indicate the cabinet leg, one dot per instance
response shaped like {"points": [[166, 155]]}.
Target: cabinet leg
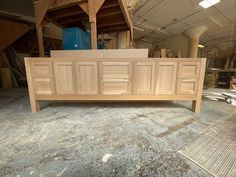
{"points": [[35, 107], [196, 105]]}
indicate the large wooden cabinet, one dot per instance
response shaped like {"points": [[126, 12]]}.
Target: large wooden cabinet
{"points": [[115, 79]]}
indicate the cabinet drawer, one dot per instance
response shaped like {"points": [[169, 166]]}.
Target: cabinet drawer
{"points": [[43, 86], [116, 88], [189, 69], [42, 69], [187, 86], [115, 78], [115, 70]]}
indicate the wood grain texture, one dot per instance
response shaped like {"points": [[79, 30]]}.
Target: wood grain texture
{"points": [[115, 79], [144, 77], [87, 77], [35, 106], [64, 77], [166, 77], [108, 53]]}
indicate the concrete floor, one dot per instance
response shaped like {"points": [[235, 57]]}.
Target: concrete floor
{"points": [[77, 140]]}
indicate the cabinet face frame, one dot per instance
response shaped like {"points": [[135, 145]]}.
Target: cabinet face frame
{"points": [[122, 74]]}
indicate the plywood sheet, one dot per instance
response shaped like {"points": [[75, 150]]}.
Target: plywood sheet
{"points": [[108, 53]]}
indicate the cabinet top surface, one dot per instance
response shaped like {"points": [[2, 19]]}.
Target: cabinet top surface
{"points": [[48, 59]]}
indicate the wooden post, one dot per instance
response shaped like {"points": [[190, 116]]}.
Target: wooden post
{"points": [[40, 10], [94, 34], [93, 7], [196, 104], [40, 40]]}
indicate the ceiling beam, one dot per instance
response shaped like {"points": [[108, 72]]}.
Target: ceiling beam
{"points": [[109, 11], [109, 4], [54, 22], [112, 28], [71, 19], [75, 10]]}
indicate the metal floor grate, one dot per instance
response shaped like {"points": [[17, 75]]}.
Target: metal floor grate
{"points": [[215, 149]]}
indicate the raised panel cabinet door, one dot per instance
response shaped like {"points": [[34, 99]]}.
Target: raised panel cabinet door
{"points": [[43, 86], [187, 86], [144, 77], [188, 69], [166, 75], [41, 69], [115, 78], [64, 77], [86, 74]]}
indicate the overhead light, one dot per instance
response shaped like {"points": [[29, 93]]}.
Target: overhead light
{"points": [[138, 28], [208, 3], [201, 46]]}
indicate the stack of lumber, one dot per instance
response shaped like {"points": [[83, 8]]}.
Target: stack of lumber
{"points": [[228, 96], [211, 79], [165, 53], [12, 69], [233, 82]]}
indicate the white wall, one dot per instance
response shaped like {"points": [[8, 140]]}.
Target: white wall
{"points": [[178, 43]]}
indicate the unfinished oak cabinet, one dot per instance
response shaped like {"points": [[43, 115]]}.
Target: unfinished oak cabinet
{"points": [[104, 79]]}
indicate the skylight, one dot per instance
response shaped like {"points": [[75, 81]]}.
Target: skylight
{"points": [[208, 3]]}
